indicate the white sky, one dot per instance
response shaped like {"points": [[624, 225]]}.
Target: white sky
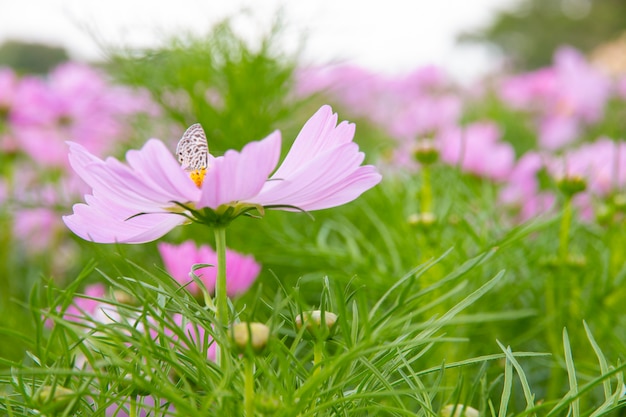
{"points": [[387, 35]]}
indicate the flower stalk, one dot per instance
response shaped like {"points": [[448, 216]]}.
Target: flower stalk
{"points": [[318, 355], [427, 193], [132, 411], [221, 299], [566, 221], [248, 397]]}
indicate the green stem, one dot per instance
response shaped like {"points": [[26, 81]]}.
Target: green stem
{"points": [[427, 193], [318, 354], [133, 406], [248, 397], [221, 299], [566, 222]]}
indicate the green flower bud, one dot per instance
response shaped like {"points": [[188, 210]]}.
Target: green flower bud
{"points": [[125, 298], [422, 219], [138, 387], [426, 153], [459, 410], [312, 320], [267, 404], [619, 200], [250, 335], [572, 185], [51, 400]]}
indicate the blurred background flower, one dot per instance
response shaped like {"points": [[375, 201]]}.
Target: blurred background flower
{"points": [[241, 270]]}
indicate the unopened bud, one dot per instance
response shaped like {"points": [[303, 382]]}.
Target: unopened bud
{"points": [[253, 335], [53, 399], [422, 219], [314, 324], [267, 404], [137, 386], [425, 152], [619, 200], [572, 185], [125, 298], [459, 410]]}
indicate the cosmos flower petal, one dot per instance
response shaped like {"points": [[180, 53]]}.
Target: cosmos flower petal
{"points": [[343, 192], [320, 134], [158, 167], [146, 184], [325, 161], [107, 222], [239, 176]]}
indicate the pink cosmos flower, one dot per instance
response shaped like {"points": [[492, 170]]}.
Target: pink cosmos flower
{"points": [[74, 101], [86, 306], [195, 334], [143, 200], [36, 227], [602, 163], [477, 150], [564, 97], [241, 270]]}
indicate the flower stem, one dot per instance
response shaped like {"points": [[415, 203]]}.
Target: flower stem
{"points": [[132, 412], [221, 299], [318, 354], [248, 397], [566, 222], [427, 193]]}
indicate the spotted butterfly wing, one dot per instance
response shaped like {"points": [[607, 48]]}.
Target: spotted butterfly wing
{"points": [[193, 149]]}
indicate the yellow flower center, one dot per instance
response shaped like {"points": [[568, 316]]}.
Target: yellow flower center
{"points": [[197, 176]]}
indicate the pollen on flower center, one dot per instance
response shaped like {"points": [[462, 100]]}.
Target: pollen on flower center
{"points": [[197, 176]]}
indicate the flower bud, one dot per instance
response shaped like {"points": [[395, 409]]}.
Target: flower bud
{"points": [[137, 386], [426, 153], [125, 298], [53, 399], [422, 219], [572, 185], [253, 335], [459, 410], [267, 404], [312, 320], [619, 201]]}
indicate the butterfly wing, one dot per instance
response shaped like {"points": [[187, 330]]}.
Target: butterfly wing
{"points": [[193, 150]]}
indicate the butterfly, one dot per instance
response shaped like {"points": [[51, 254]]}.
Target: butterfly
{"points": [[193, 149]]}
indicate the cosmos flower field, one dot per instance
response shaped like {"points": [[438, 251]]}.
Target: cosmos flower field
{"points": [[342, 243]]}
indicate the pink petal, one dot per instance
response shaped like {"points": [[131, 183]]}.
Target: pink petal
{"points": [[106, 222], [322, 162], [239, 176], [318, 135]]}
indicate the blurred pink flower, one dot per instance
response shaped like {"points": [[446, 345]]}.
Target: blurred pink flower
{"points": [[147, 407], [36, 228], [75, 102], [522, 189], [557, 131], [424, 116], [85, 306], [477, 150], [136, 203], [406, 106], [196, 335], [241, 270], [601, 163], [194, 338], [564, 98], [8, 89]]}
